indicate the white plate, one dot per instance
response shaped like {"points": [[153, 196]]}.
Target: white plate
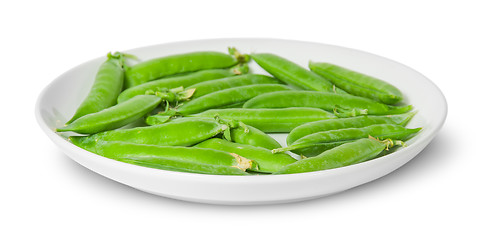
{"points": [[60, 98]]}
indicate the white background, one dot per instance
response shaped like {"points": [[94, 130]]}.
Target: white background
{"points": [[46, 195]]}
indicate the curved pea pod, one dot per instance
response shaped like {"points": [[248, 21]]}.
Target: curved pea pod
{"points": [[347, 154], [114, 117], [166, 156], [106, 87], [249, 135], [344, 105], [227, 97], [266, 161], [176, 64], [292, 73], [179, 132], [357, 83], [341, 123], [176, 81], [205, 88], [270, 120], [316, 143]]}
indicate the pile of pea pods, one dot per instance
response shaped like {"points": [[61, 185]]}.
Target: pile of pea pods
{"points": [[203, 112]]}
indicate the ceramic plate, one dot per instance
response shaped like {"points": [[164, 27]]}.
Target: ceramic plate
{"points": [[58, 101]]}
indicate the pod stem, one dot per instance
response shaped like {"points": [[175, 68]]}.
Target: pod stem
{"points": [[241, 58], [173, 95], [162, 117], [186, 94], [121, 57], [341, 112], [289, 148], [231, 125], [227, 125], [244, 126], [240, 69], [244, 163], [389, 143]]}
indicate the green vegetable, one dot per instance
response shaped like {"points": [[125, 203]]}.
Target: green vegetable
{"points": [[254, 137], [228, 97], [183, 166], [357, 83], [176, 64], [214, 122], [266, 161], [106, 87], [342, 104], [165, 155], [114, 117], [175, 82], [347, 154], [341, 123], [316, 143], [204, 88], [179, 132], [270, 120], [292, 73]]}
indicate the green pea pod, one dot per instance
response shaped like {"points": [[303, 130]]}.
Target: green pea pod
{"points": [[292, 73], [266, 161], [249, 135], [106, 87], [205, 88], [270, 120], [347, 154], [357, 83], [114, 117], [228, 97], [343, 105], [183, 166], [176, 64], [341, 123], [152, 153], [316, 143], [179, 132], [176, 81]]}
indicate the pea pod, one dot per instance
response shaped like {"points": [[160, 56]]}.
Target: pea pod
{"points": [[114, 117], [292, 73], [179, 132], [270, 120], [150, 154], [347, 154], [316, 143], [343, 105], [254, 137], [357, 83], [106, 87], [266, 161], [176, 64], [183, 166], [204, 88], [228, 97], [237, 132], [177, 81], [341, 123]]}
